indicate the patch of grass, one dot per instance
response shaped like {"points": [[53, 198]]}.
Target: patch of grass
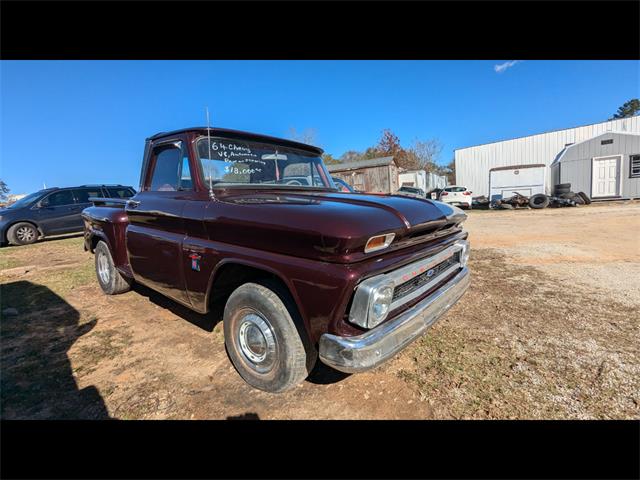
{"points": [[30, 297], [99, 346], [521, 345], [7, 261]]}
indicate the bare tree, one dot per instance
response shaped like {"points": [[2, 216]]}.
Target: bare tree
{"points": [[427, 153], [308, 136], [350, 156]]}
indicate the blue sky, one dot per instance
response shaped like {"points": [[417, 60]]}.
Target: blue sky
{"points": [[74, 122]]}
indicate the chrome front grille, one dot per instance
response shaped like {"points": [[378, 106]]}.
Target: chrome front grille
{"points": [[417, 278], [424, 278]]}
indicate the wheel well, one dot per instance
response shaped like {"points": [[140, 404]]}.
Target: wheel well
{"points": [[231, 276], [94, 242]]}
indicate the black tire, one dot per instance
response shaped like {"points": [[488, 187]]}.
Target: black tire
{"points": [[268, 310], [539, 200], [562, 188], [569, 195], [578, 199], [22, 233], [585, 197], [111, 280]]}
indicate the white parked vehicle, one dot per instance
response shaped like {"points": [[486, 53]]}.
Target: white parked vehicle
{"points": [[456, 195]]}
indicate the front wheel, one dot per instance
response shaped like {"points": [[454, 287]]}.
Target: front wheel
{"points": [[22, 233], [110, 279], [262, 340]]}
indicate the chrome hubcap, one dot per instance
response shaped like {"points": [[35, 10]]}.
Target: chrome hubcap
{"points": [[103, 268], [257, 341], [25, 234]]}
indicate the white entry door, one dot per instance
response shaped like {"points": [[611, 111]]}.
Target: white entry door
{"points": [[606, 177]]}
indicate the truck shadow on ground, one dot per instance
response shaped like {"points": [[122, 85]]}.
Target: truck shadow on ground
{"points": [[324, 375], [206, 322], [37, 380]]}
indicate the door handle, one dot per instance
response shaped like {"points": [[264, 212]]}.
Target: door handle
{"points": [[133, 203]]}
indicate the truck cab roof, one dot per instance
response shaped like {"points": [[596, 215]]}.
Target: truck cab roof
{"points": [[225, 132]]}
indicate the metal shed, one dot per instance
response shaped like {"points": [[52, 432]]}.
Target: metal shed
{"points": [[377, 175], [473, 163], [604, 167]]}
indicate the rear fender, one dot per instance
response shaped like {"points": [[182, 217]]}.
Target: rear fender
{"points": [[109, 225]]}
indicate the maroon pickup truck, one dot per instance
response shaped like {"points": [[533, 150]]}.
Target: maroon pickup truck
{"points": [[255, 225]]}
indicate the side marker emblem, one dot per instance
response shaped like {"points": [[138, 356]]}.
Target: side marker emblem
{"points": [[195, 261]]}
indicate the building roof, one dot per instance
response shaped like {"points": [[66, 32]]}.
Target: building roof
{"points": [[549, 131], [225, 132], [373, 162], [566, 148]]}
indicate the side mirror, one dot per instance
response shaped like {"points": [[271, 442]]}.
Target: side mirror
{"points": [[44, 203]]}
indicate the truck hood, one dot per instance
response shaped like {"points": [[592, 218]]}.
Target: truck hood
{"points": [[327, 226]]}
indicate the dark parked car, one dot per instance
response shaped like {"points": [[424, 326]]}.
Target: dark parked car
{"points": [[52, 211], [300, 271], [343, 186], [411, 192]]}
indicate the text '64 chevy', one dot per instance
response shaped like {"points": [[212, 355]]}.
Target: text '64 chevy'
{"points": [[255, 225]]}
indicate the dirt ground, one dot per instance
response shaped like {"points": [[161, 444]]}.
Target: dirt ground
{"points": [[549, 329]]}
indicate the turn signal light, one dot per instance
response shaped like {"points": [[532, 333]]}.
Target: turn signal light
{"points": [[379, 242]]}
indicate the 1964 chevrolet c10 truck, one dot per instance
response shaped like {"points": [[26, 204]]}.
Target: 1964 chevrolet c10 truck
{"points": [[255, 224]]}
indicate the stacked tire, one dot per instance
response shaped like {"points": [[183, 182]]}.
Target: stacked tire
{"points": [[563, 190]]}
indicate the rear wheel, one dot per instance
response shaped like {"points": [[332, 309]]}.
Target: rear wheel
{"points": [[110, 279], [262, 340], [22, 233]]}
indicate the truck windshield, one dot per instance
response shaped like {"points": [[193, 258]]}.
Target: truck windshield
{"points": [[240, 162]]}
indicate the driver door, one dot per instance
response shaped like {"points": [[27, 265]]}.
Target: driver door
{"points": [[156, 229]]}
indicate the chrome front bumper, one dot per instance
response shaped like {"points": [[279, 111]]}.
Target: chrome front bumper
{"points": [[366, 351]]}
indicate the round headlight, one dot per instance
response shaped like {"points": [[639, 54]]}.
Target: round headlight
{"points": [[382, 298]]}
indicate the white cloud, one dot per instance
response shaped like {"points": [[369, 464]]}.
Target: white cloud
{"points": [[503, 66]]}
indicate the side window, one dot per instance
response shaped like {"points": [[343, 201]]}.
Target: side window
{"points": [[82, 194], [166, 170], [634, 164], [185, 176], [56, 199], [119, 192]]}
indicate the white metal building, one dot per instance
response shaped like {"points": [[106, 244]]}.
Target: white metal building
{"points": [[474, 163]]}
